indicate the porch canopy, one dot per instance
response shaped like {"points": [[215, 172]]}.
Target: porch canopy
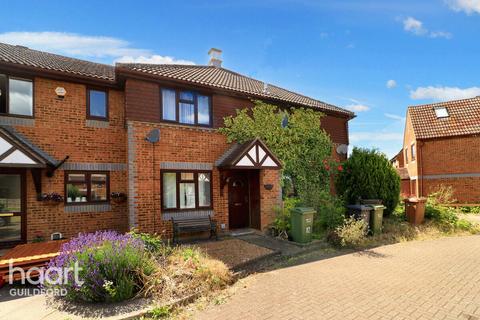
{"points": [[252, 154], [16, 151]]}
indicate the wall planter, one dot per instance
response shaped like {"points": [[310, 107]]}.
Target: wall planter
{"points": [[118, 197], [51, 198]]}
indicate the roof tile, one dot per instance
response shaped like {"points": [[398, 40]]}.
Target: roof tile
{"points": [[464, 119], [225, 79], [49, 61]]}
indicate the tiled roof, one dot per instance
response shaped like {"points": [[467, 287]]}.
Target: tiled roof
{"points": [[225, 79], [464, 119], [52, 62]]}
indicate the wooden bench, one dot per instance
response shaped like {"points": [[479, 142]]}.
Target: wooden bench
{"points": [[191, 225]]}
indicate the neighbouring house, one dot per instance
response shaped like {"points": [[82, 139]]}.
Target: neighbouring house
{"points": [[398, 163], [441, 147], [86, 146]]}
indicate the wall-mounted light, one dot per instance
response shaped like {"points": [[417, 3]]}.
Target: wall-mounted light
{"points": [[268, 186], [60, 92]]}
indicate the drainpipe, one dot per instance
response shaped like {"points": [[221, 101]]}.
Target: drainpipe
{"points": [[420, 168]]}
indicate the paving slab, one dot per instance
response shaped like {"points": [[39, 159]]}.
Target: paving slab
{"points": [[434, 279]]}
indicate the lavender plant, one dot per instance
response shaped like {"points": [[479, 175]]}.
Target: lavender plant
{"points": [[111, 266]]}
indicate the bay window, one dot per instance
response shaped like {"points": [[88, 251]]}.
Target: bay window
{"points": [[186, 190], [16, 96], [186, 107]]}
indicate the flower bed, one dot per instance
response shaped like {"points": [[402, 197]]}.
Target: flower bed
{"points": [[111, 267], [114, 267]]}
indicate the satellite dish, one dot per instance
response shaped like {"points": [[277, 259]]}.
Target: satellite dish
{"points": [[342, 149], [153, 136]]}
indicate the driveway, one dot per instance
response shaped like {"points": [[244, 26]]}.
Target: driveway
{"points": [[435, 279]]}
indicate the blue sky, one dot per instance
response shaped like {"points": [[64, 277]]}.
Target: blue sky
{"points": [[374, 57]]}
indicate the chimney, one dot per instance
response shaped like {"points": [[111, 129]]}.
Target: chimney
{"points": [[215, 57]]}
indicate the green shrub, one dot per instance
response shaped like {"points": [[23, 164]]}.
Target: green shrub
{"points": [[368, 174], [351, 234], [329, 210], [153, 243], [470, 210], [160, 312], [436, 210], [281, 225]]}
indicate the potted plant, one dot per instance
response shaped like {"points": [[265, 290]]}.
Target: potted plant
{"points": [[73, 192]]}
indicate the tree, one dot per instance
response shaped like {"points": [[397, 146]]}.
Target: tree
{"points": [[302, 146], [368, 174]]}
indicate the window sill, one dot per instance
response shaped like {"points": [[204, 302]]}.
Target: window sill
{"points": [[87, 207], [186, 126], [187, 214], [11, 120], [96, 123]]}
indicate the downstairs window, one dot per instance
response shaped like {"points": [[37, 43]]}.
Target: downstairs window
{"points": [[87, 187], [186, 190]]}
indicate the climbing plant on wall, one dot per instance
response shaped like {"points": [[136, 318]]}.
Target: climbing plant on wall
{"points": [[294, 135]]}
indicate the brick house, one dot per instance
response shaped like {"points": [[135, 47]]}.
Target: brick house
{"points": [[132, 145], [442, 147]]}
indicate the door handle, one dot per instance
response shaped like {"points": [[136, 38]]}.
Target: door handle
{"points": [[6, 214], [237, 204]]}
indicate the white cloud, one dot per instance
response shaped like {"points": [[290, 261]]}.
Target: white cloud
{"points": [[357, 107], [444, 93], [391, 84], [156, 59], [412, 25], [468, 6], [83, 46], [394, 117], [440, 34]]}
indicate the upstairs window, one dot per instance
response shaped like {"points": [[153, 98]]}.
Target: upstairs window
{"points": [[406, 155], [414, 152], [16, 96], [186, 190], [97, 104], [186, 107]]}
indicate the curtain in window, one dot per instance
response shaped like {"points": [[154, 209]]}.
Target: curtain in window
{"points": [[203, 109], [187, 113], [187, 195], [204, 189], [169, 101], [169, 190]]}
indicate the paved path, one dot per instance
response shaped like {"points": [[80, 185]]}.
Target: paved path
{"points": [[436, 279]]}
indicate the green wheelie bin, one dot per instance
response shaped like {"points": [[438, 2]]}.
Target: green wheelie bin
{"points": [[302, 224]]}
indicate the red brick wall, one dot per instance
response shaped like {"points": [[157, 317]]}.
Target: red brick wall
{"points": [[465, 190], [185, 144], [269, 199], [449, 156], [60, 131], [143, 104]]}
